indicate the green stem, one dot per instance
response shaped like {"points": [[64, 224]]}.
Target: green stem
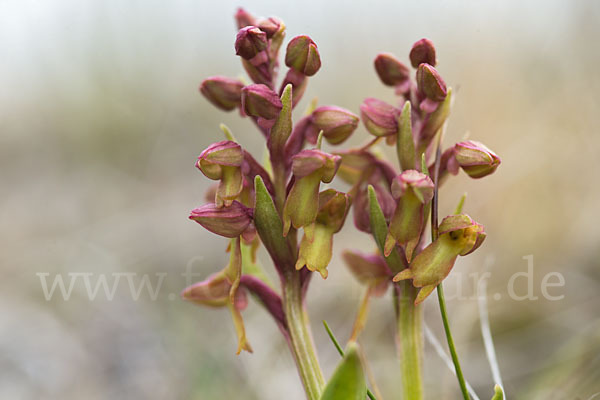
{"points": [[410, 341], [459, 374], [300, 337], [440, 288]]}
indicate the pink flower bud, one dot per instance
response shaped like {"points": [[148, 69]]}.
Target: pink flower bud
{"points": [[391, 71], [250, 41], [476, 159], [229, 221], [243, 18], [223, 92], [380, 118], [336, 123], [413, 180], [422, 51], [430, 83], [303, 56], [259, 100], [270, 26]]}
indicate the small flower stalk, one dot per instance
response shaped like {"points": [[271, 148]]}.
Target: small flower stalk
{"points": [[286, 206]]}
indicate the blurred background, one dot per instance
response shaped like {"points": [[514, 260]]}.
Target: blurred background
{"points": [[101, 123]]}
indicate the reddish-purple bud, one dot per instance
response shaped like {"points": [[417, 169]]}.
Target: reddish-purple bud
{"points": [[259, 100], [230, 221], [270, 26], [416, 181], [380, 118], [430, 83], [303, 56], [225, 93], [391, 71], [243, 18], [250, 41], [336, 123], [476, 159], [422, 51]]}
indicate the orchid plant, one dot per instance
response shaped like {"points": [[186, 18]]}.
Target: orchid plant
{"points": [[283, 204]]}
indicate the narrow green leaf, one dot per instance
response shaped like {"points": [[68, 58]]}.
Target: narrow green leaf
{"points": [[341, 352], [436, 120], [405, 145], [269, 226], [227, 132], [379, 231], [333, 339], [348, 380], [460, 204], [424, 168], [282, 129], [498, 394]]}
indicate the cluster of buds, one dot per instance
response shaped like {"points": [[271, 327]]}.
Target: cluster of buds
{"points": [[253, 205], [277, 200], [404, 199]]}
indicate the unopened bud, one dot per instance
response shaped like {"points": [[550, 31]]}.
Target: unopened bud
{"points": [[418, 182], [223, 92], [430, 83], [422, 51], [229, 221], [303, 56], [391, 71], [380, 118], [243, 18], [259, 100], [270, 26], [476, 159], [250, 41], [336, 123]]}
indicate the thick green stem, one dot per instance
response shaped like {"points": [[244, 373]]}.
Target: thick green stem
{"points": [[459, 374], [409, 341], [300, 337]]}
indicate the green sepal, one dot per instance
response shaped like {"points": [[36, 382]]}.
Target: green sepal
{"points": [[302, 204], [405, 145], [498, 394], [282, 129], [379, 230], [268, 225], [233, 271], [230, 186], [348, 379], [435, 121]]}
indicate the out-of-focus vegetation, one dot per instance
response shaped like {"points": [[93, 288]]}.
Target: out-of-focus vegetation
{"points": [[100, 125]]}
